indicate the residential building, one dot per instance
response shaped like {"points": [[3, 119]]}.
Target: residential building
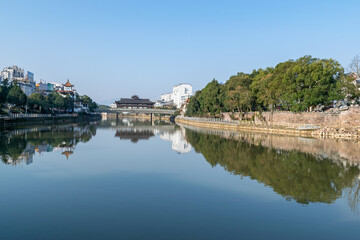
{"points": [[181, 93], [57, 86], [80, 107], [163, 104], [166, 97], [44, 88], [16, 74], [12, 72]]}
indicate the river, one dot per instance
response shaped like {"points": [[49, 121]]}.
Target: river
{"points": [[134, 179]]}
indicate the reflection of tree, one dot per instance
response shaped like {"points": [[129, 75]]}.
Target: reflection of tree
{"points": [[353, 195], [292, 174], [16, 146], [12, 148]]}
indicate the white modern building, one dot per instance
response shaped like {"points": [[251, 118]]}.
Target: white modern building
{"points": [[166, 97], [16, 74], [12, 72], [181, 93]]}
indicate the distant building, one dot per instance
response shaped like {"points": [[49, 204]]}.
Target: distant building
{"points": [[12, 72], [166, 97], [28, 89], [181, 93], [16, 75], [163, 104], [80, 106], [44, 88], [67, 89], [134, 102], [57, 86]]}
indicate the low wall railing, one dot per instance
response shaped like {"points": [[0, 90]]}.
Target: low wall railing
{"points": [[36, 115]]}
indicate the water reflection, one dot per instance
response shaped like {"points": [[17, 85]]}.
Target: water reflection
{"points": [[143, 129], [304, 170], [18, 146], [299, 169]]}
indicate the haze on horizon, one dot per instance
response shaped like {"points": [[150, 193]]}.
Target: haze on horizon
{"points": [[113, 49]]}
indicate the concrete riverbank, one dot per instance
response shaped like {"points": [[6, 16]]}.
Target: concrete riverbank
{"points": [[13, 120], [235, 125], [342, 125]]}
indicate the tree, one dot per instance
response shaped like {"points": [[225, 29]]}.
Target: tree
{"points": [[194, 107], [240, 99], [209, 98], [16, 96], [58, 101], [88, 101], [355, 66], [69, 103], [4, 90], [36, 100]]}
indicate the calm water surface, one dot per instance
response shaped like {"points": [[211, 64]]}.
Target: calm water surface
{"points": [[140, 180]]}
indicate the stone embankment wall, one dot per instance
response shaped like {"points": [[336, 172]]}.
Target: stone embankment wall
{"points": [[6, 122], [340, 119], [225, 125], [330, 124]]}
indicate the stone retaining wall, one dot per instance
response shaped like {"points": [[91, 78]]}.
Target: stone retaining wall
{"points": [[349, 119]]}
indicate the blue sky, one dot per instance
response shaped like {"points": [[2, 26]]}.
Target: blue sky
{"points": [[113, 49]]}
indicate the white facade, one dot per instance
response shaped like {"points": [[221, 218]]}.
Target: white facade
{"points": [[166, 97], [57, 86], [16, 74], [12, 72], [181, 93]]}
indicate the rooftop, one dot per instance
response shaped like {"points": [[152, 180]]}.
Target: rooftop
{"points": [[68, 84]]}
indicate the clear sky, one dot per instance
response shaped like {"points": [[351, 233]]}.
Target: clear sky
{"points": [[113, 49]]}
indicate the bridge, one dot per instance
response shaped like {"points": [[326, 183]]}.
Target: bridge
{"points": [[151, 111], [143, 110]]}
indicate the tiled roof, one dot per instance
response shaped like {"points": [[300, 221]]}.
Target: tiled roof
{"points": [[68, 84], [134, 101]]}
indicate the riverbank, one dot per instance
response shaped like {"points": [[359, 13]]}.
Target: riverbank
{"points": [[36, 119], [291, 127], [234, 125]]}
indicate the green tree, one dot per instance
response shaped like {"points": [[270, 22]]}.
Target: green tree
{"points": [[210, 99], [16, 96], [58, 101], [194, 108], [4, 90], [89, 102], [36, 101]]}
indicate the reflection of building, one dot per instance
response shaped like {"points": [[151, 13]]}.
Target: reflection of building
{"points": [[179, 143], [26, 142], [133, 134], [134, 102]]}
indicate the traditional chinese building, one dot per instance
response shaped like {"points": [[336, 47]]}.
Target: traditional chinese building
{"points": [[134, 102], [67, 88]]}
